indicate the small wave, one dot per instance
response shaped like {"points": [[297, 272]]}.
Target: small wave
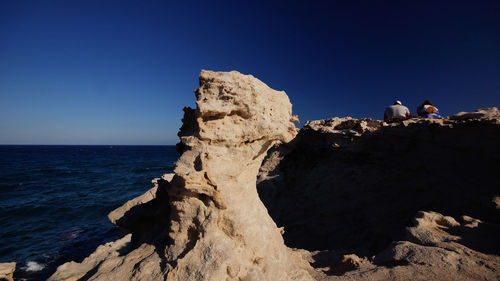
{"points": [[10, 185], [152, 169], [32, 266], [71, 235]]}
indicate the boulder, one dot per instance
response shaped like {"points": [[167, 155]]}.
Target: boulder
{"points": [[7, 271]]}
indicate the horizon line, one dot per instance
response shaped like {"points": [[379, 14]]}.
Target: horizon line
{"points": [[87, 144]]}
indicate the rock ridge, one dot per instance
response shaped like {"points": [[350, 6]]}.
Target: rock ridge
{"points": [[390, 201], [356, 199]]}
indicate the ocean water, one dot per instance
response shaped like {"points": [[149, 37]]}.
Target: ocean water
{"points": [[54, 200]]}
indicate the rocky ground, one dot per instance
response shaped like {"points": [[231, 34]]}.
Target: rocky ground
{"points": [[7, 271], [411, 200], [345, 199]]}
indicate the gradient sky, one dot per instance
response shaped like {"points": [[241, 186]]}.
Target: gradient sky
{"points": [[120, 72]]}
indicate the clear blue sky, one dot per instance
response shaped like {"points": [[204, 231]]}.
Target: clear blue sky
{"points": [[120, 72]]}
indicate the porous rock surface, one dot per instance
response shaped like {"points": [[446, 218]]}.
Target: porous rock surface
{"points": [[207, 222], [363, 199], [7, 271], [409, 200]]}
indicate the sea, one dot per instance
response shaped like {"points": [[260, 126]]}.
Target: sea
{"points": [[54, 200]]}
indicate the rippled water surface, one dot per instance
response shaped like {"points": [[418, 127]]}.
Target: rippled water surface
{"points": [[54, 199]]}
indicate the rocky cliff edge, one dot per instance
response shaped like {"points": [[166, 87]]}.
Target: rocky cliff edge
{"points": [[363, 199], [207, 222], [410, 200]]}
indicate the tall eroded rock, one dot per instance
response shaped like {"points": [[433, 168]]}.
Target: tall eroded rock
{"points": [[207, 222], [411, 200], [220, 230]]}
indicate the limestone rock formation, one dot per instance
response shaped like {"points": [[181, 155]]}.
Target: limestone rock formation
{"points": [[105, 258], [364, 183], [482, 113], [215, 226], [220, 230], [137, 255], [123, 216], [359, 199], [7, 271]]}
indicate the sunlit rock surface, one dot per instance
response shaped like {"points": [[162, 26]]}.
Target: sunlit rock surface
{"points": [[220, 230], [7, 271], [355, 199], [216, 227]]}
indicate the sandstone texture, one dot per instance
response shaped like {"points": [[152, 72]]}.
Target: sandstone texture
{"points": [[207, 222], [409, 200], [253, 198], [220, 230], [7, 271]]}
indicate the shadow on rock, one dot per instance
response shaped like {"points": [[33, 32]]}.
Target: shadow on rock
{"points": [[336, 188]]}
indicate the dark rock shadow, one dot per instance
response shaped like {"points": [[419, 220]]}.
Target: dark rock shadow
{"points": [[331, 263], [148, 223], [484, 238], [359, 197]]}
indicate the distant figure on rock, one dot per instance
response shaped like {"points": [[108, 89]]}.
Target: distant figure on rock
{"points": [[397, 111], [428, 110]]}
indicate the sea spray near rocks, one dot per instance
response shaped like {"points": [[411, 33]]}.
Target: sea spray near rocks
{"points": [[55, 217], [34, 266]]}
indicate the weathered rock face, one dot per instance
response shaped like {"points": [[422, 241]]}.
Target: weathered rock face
{"points": [[7, 271], [215, 228], [136, 256], [362, 182], [220, 230], [411, 200]]}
